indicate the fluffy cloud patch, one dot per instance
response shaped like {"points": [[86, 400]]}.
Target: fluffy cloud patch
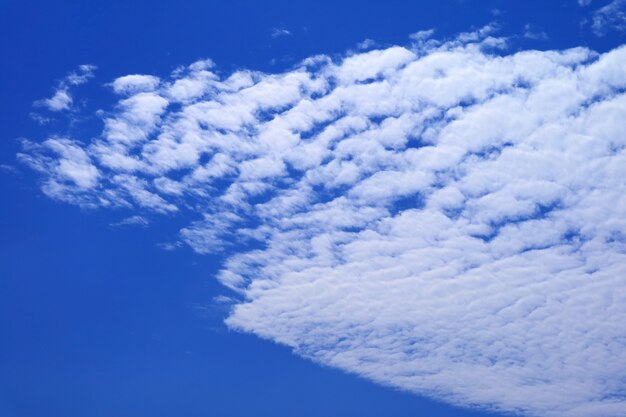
{"points": [[135, 83], [444, 217], [62, 98]]}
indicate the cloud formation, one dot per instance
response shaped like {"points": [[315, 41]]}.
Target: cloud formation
{"points": [[531, 33], [278, 32], [62, 99], [609, 17], [132, 221], [444, 217]]}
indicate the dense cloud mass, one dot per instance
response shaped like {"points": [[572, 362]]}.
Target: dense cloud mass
{"points": [[444, 217]]}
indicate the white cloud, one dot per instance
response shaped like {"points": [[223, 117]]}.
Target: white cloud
{"points": [[422, 35], [531, 33], [68, 168], [369, 65], [134, 83], [84, 73], [609, 17], [62, 99], [366, 44], [170, 246], [132, 221], [9, 169], [39, 118], [437, 218], [278, 32]]}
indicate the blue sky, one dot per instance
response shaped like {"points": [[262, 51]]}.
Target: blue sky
{"points": [[423, 218]]}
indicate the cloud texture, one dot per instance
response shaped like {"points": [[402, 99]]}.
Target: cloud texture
{"points": [[62, 98], [444, 217], [611, 17]]}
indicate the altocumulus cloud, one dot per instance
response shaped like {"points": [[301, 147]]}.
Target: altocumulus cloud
{"points": [[444, 217]]}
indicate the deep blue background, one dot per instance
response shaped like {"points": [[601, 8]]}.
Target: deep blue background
{"points": [[99, 321]]}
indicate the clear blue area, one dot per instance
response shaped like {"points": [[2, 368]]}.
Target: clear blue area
{"points": [[98, 321]]}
